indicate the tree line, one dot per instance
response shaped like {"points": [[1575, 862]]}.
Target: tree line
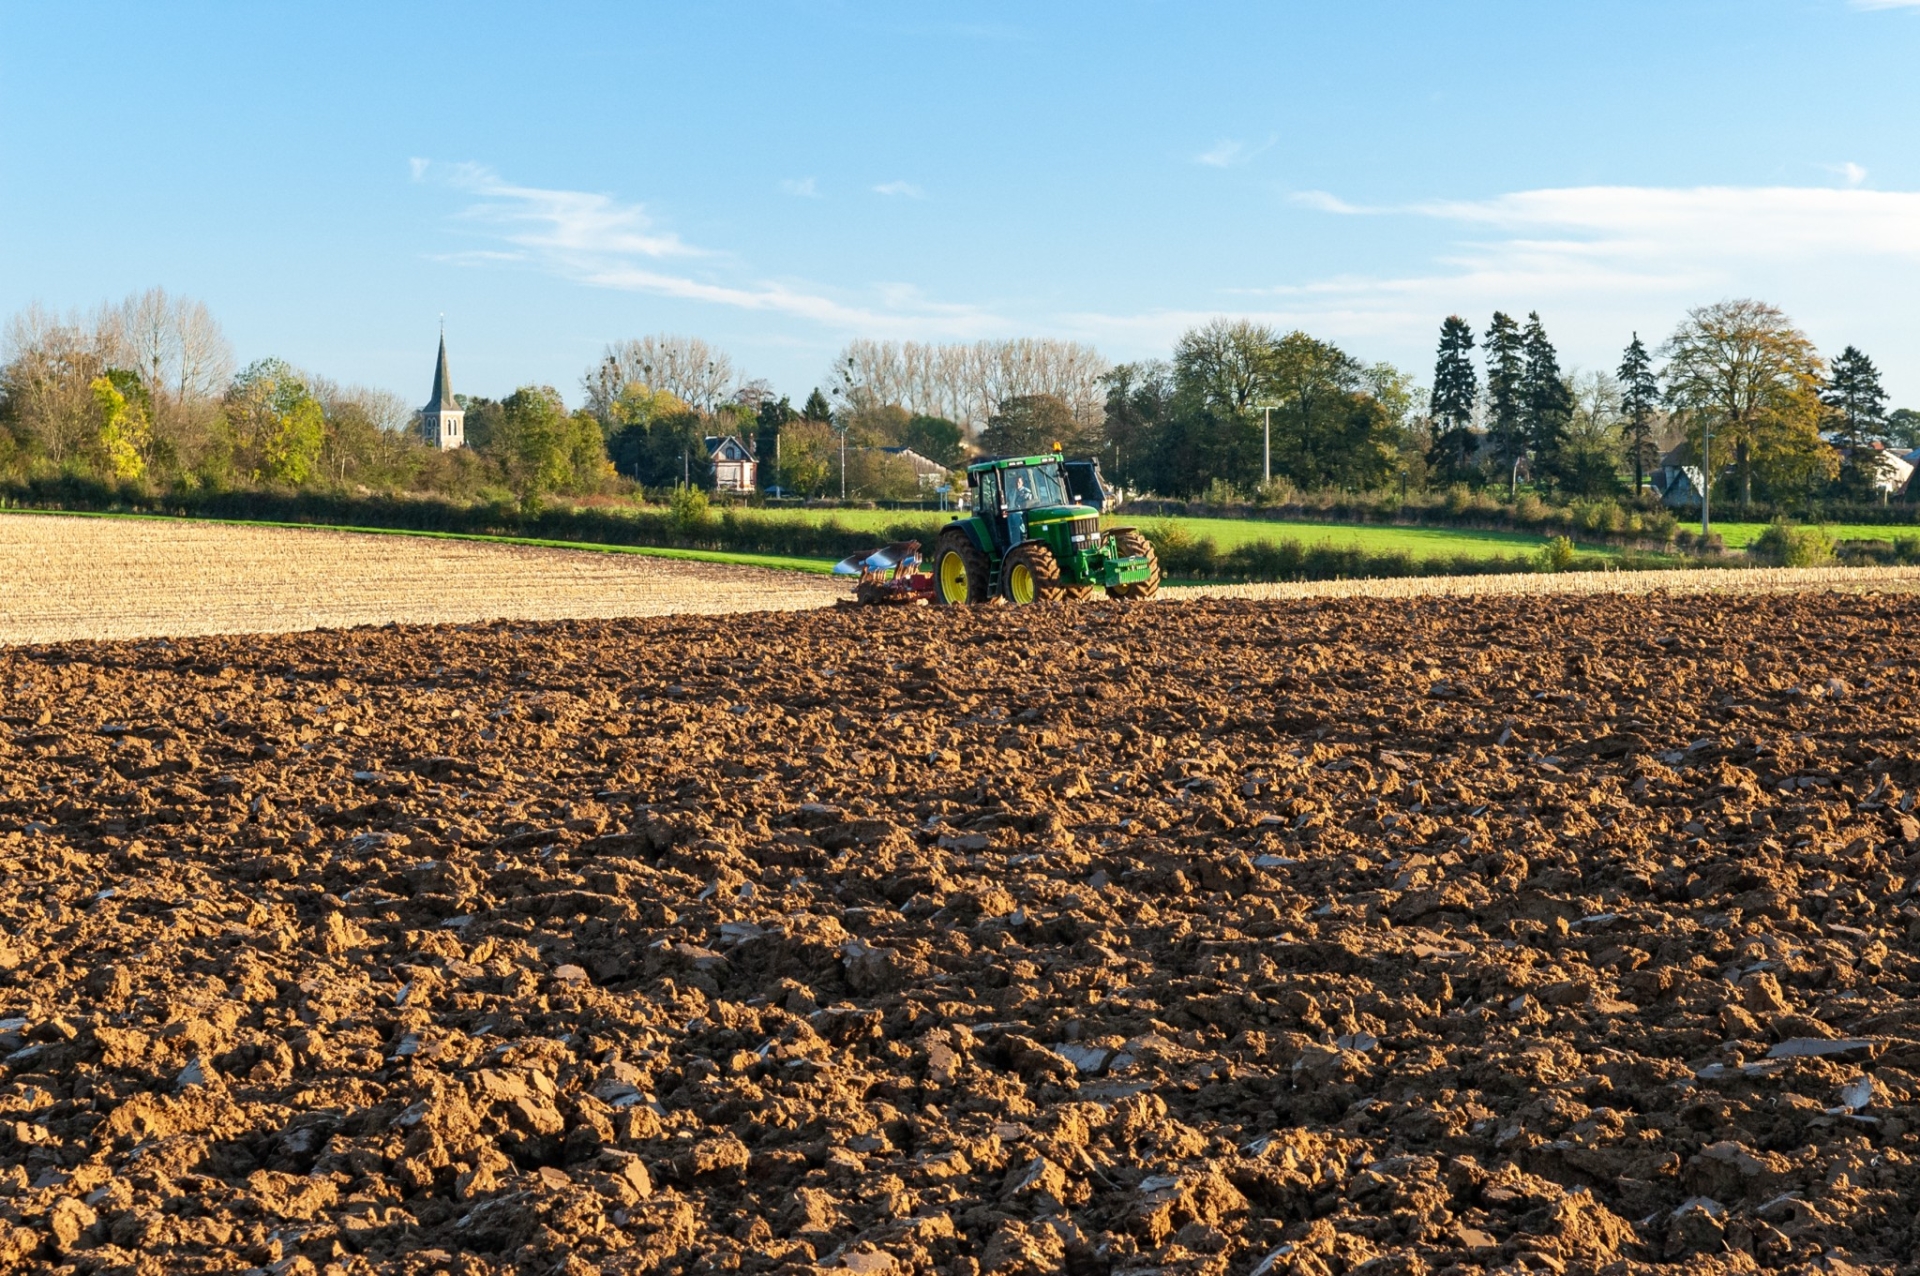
{"points": [[1789, 425], [145, 391]]}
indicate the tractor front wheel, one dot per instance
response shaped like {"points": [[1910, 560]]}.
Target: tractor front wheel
{"points": [[1131, 542], [959, 570], [1030, 574]]}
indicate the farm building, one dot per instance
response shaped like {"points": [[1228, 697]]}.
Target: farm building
{"points": [[734, 467], [931, 474]]}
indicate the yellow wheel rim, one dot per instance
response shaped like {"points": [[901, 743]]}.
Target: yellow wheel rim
{"points": [[1020, 585], [953, 578]]}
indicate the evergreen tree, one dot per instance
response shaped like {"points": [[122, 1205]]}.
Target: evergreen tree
{"points": [[1546, 402], [1455, 387], [1506, 406], [816, 408], [1639, 400], [773, 416], [1858, 412]]}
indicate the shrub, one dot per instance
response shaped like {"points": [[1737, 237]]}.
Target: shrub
{"points": [[1222, 493], [1557, 556], [1785, 545], [691, 510]]}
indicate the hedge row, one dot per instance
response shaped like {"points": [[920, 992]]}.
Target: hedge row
{"points": [[726, 530]]}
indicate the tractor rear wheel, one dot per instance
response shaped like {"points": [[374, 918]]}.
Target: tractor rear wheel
{"points": [[959, 570], [1030, 574], [1130, 542]]}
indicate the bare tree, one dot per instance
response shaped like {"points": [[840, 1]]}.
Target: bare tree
{"points": [[174, 343], [685, 367], [969, 383], [50, 365]]}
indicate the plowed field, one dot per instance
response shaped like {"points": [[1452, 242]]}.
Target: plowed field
{"points": [[1386, 936]]}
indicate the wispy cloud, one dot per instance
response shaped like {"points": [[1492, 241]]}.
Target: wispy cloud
{"points": [[558, 222], [1851, 173], [804, 187], [1886, 4], [900, 190], [1598, 262], [1231, 152], [599, 241]]}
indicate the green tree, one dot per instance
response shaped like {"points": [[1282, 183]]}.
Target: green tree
{"points": [[277, 422], [656, 438], [1225, 362], [817, 408], [1327, 431], [806, 456], [1456, 387], [1857, 408], [1547, 401], [1639, 404], [1903, 427], [936, 438], [771, 417], [540, 447], [1741, 370], [1506, 393], [1029, 424], [1139, 405]]}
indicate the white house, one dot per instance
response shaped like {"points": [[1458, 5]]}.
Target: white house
{"points": [[734, 466]]}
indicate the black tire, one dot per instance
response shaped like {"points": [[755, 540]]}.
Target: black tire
{"points": [[1130, 542], [1076, 593], [1033, 568], [973, 568]]}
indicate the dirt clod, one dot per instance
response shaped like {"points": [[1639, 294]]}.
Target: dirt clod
{"points": [[1410, 936]]}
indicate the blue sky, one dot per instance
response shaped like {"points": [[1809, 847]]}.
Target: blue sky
{"points": [[779, 178]]}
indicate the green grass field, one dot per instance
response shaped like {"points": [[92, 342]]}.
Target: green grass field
{"points": [[1226, 533], [1741, 535]]}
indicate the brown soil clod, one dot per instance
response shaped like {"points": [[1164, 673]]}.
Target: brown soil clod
{"points": [[1385, 936]]}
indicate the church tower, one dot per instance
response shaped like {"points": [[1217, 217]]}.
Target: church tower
{"points": [[442, 422]]}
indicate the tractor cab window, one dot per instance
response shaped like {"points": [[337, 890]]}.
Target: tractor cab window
{"points": [[990, 493], [1034, 487]]}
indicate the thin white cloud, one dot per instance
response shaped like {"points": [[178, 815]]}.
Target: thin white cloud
{"points": [[1229, 152], [804, 187], [1850, 173], [902, 190], [1598, 263], [1221, 154], [600, 242], [1886, 4]]}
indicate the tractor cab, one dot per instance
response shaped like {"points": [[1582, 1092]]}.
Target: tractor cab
{"points": [[1035, 534], [1016, 495]]}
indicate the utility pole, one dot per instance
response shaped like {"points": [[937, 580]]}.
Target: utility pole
{"points": [[1266, 444], [843, 464], [1706, 479]]}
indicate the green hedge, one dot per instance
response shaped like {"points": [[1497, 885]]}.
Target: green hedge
{"points": [[725, 530]]}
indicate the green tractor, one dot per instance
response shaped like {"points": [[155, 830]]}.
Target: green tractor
{"points": [[1034, 536]]}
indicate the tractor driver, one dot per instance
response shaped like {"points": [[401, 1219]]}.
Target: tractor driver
{"points": [[1022, 493]]}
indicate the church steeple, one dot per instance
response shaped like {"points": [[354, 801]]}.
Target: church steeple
{"points": [[442, 397], [442, 422]]}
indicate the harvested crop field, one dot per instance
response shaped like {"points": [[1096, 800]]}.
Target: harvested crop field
{"points": [[66, 577], [1387, 936]]}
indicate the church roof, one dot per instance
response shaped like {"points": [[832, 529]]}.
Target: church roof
{"points": [[442, 399]]}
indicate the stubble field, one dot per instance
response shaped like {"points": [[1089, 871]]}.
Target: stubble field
{"points": [[1396, 936], [70, 577]]}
